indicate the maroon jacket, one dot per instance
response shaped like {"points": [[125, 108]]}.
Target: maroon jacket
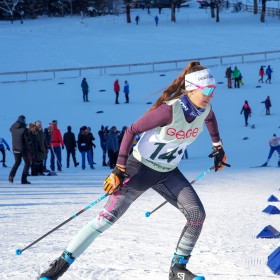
{"points": [[161, 116]]}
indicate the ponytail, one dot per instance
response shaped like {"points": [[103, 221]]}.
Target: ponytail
{"points": [[177, 87]]}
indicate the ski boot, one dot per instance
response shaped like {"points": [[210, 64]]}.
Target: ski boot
{"points": [[58, 267], [178, 270], [264, 165]]}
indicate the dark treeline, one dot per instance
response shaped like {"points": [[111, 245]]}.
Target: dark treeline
{"points": [[31, 9]]}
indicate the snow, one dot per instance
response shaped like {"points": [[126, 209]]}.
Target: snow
{"points": [[138, 247]]}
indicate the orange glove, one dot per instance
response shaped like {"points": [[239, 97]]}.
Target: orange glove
{"points": [[219, 158], [115, 179]]}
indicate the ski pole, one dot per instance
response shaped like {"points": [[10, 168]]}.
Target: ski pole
{"points": [[19, 251], [148, 214], [55, 156]]}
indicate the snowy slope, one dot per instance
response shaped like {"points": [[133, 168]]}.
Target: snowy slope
{"points": [[138, 247]]}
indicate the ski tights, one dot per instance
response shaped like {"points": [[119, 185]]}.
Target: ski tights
{"points": [[172, 185]]}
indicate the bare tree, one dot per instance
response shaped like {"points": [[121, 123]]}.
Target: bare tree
{"points": [[9, 6], [128, 17], [127, 10], [212, 7], [255, 7], [218, 5], [263, 10], [173, 11]]}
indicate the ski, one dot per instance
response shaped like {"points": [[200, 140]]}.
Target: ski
{"points": [[260, 166]]}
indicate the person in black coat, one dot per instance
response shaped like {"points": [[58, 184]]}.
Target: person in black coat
{"points": [[69, 140], [21, 147], [246, 109], [267, 104], [48, 138], [92, 145], [41, 149], [84, 146], [85, 89], [103, 132]]}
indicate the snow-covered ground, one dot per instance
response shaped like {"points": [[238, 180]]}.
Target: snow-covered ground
{"points": [[138, 247]]}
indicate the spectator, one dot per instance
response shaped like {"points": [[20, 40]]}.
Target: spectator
{"points": [[261, 74], [48, 138], [103, 138], [137, 19], [117, 90], [268, 72], [274, 144], [84, 147], [229, 76], [21, 147], [112, 145], [2, 150], [156, 20], [34, 143], [126, 91], [56, 145], [267, 104], [122, 134], [41, 149], [240, 80], [235, 76], [85, 89], [246, 109], [69, 140], [92, 145]]}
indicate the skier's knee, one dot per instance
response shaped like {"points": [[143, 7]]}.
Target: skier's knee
{"points": [[196, 216]]}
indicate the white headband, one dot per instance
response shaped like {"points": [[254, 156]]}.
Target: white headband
{"points": [[201, 78]]}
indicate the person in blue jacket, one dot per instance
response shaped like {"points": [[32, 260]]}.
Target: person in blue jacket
{"points": [[268, 72], [2, 150], [126, 91]]}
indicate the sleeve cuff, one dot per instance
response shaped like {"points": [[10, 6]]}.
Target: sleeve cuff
{"points": [[217, 143]]}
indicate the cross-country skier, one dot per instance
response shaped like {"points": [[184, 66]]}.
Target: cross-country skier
{"points": [[172, 123], [3, 143], [274, 144]]}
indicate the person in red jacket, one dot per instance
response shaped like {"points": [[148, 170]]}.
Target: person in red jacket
{"points": [[246, 109], [56, 145], [117, 90], [261, 74]]}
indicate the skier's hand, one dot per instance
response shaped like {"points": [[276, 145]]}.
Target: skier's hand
{"points": [[115, 179], [219, 158], [8, 149]]}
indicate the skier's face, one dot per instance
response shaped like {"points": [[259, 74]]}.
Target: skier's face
{"points": [[199, 99]]}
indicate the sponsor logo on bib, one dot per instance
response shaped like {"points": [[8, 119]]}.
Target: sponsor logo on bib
{"points": [[182, 134]]}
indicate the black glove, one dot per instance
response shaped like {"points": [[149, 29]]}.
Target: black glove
{"points": [[219, 158], [62, 147], [115, 179]]}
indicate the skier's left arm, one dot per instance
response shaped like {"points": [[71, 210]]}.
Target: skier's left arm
{"points": [[218, 152]]}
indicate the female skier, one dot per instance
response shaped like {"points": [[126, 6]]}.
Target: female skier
{"points": [[246, 109], [172, 123]]}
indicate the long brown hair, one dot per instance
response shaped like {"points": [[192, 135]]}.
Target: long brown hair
{"points": [[177, 87]]}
